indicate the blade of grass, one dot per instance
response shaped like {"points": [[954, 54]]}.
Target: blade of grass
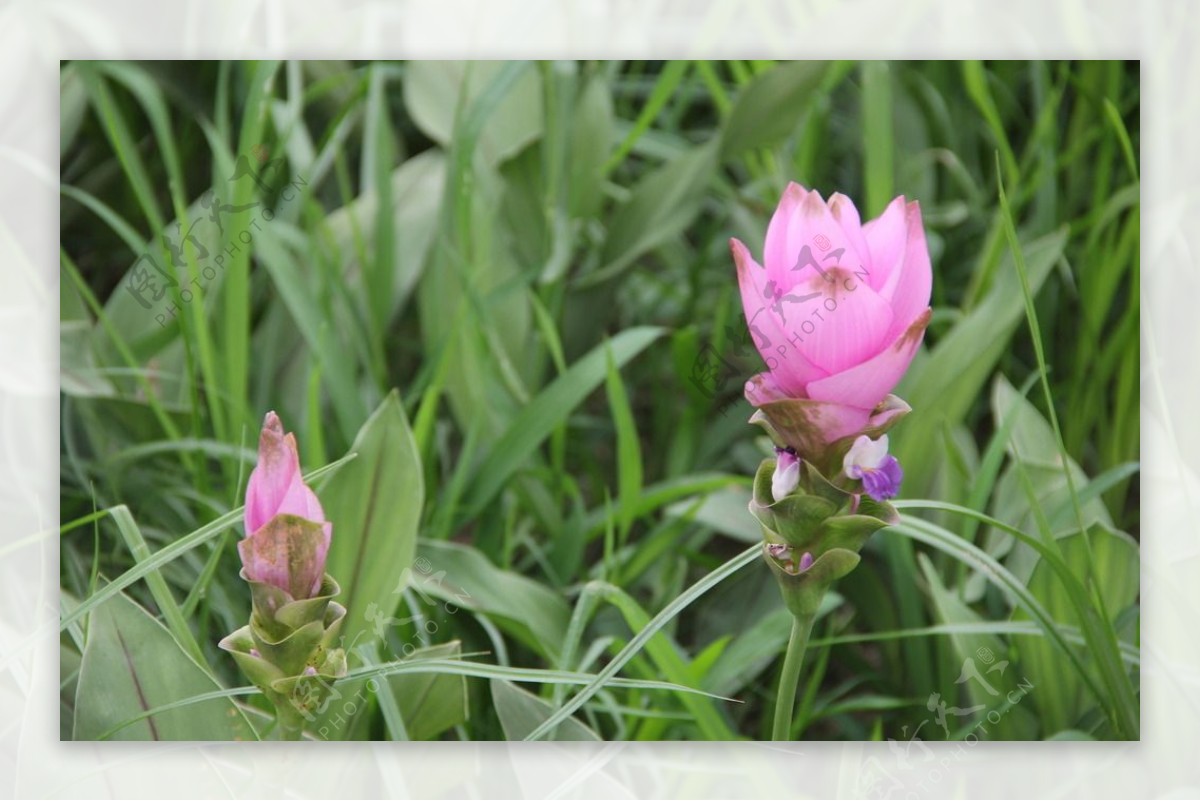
{"points": [[158, 586], [635, 645], [537, 420], [1124, 704], [664, 89]]}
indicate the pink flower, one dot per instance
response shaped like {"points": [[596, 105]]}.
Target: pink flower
{"points": [[287, 536], [837, 312]]}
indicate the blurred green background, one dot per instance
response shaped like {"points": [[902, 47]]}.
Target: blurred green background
{"points": [[492, 281]]}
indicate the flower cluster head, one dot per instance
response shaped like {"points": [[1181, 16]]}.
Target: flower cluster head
{"points": [[837, 310], [288, 648]]}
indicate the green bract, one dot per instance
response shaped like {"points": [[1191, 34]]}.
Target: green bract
{"points": [[817, 518], [288, 650]]}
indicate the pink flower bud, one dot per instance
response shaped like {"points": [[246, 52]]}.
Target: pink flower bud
{"points": [[287, 536]]}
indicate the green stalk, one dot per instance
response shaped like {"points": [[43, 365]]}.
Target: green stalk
{"points": [[290, 720], [785, 700]]}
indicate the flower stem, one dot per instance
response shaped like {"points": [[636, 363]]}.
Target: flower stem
{"points": [[289, 720], [785, 700]]}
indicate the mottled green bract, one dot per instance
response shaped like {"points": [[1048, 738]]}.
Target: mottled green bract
{"points": [[496, 305]]}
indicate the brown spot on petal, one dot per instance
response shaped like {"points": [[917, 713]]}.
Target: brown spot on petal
{"points": [[914, 332]]}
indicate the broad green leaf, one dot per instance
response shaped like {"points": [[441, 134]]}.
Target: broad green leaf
{"points": [[942, 387], [374, 504], [416, 192], [431, 703], [463, 577], [473, 303], [132, 664], [727, 510], [770, 107], [980, 665], [521, 712], [435, 90], [1117, 562], [660, 206], [1031, 443], [591, 138]]}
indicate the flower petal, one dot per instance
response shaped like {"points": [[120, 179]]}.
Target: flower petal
{"points": [[884, 482], [787, 474], [846, 213], [908, 287], [845, 325], [865, 454], [866, 384], [775, 251], [813, 226], [886, 237], [289, 553], [766, 322], [277, 470]]}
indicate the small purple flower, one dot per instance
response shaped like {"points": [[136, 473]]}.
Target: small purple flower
{"points": [[787, 473], [806, 561], [879, 471]]}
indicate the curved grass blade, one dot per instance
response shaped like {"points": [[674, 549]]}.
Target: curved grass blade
{"points": [[606, 676]]}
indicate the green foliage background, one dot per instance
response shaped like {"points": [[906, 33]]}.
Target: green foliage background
{"points": [[490, 283]]}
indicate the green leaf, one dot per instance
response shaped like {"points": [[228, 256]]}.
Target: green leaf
{"points": [[667, 660], [629, 448], [464, 577], [770, 107], [591, 138], [726, 510], [132, 664], [878, 139], [980, 649], [157, 584], [660, 206], [1116, 560], [1032, 444], [753, 649], [547, 411], [942, 387], [521, 712], [431, 703], [642, 638], [377, 160], [174, 551], [664, 89], [374, 504], [434, 91]]}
